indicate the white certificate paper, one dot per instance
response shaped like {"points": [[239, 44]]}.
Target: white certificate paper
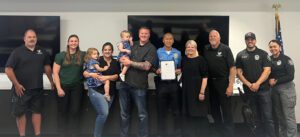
{"points": [[167, 69]]}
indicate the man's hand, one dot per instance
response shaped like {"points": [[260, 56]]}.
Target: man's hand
{"points": [[19, 90], [125, 61], [254, 87], [158, 71], [178, 71]]}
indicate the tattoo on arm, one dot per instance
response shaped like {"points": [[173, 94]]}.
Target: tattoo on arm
{"points": [[141, 65]]}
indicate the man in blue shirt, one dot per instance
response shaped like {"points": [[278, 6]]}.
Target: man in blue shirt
{"points": [[168, 91]]}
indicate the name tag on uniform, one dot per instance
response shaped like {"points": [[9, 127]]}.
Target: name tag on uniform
{"points": [[167, 69]]}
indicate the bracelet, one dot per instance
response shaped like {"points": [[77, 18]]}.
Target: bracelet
{"points": [[201, 93]]}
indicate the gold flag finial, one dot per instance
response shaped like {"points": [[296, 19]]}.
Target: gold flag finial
{"points": [[276, 6]]}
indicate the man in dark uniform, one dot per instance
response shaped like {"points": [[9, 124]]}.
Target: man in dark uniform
{"points": [[134, 88], [25, 68], [221, 76], [253, 69]]}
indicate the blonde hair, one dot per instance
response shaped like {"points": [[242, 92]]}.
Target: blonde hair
{"points": [[89, 52], [194, 44], [124, 32]]}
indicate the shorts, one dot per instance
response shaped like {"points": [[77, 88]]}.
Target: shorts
{"points": [[31, 101]]}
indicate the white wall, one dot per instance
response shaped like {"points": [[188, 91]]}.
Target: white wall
{"points": [[95, 28]]}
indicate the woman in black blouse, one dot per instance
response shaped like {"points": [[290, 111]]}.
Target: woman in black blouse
{"points": [[283, 90], [96, 96], [194, 81]]}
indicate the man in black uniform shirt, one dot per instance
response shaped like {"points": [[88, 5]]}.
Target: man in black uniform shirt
{"points": [[24, 68], [253, 69], [221, 71]]}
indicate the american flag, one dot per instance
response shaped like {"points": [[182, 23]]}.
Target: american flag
{"points": [[278, 31]]}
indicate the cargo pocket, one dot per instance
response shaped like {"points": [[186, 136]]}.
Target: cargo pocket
{"points": [[292, 99]]}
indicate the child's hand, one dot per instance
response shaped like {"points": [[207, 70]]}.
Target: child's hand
{"points": [[131, 41]]}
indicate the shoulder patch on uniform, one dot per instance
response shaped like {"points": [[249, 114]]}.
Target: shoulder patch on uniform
{"points": [[269, 58], [175, 55], [290, 62]]}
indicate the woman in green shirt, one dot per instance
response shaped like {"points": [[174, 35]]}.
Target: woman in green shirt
{"points": [[67, 72]]}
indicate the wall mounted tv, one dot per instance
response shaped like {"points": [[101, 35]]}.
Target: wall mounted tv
{"points": [[182, 27], [12, 30]]}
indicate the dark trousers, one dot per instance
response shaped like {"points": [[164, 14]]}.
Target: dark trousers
{"points": [[196, 126], [221, 106], [261, 105], [128, 94], [168, 96], [68, 109]]}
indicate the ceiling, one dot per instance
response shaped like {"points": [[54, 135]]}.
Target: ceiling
{"points": [[146, 5]]}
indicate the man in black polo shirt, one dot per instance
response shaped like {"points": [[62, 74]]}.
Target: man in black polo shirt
{"points": [[253, 69], [143, 56], [25, 68], [222, 72]]}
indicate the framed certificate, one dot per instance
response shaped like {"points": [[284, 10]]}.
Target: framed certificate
{"points": [[167, 69]]}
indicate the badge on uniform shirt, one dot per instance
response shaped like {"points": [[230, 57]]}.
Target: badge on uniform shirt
{"points": [[256, 57], [278, 62], [290, 62], [39, 51], [219, 54], [175, 55]]}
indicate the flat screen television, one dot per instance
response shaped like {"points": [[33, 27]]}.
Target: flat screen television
{"points": [[183, 28], [12, 30]]}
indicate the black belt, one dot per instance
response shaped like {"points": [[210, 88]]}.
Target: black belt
{"points": [[217, 78], [168, 81]]}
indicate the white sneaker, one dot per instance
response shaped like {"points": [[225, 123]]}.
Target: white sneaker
{"points": [[122, 77]]}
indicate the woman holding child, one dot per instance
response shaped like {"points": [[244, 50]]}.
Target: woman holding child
{"points": [[97, 95]]}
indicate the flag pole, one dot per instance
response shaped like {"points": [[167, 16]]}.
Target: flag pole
{"points": [[278, 36]]}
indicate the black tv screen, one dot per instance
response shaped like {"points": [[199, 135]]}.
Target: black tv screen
{"points": [[183, 28], [12, 30]]}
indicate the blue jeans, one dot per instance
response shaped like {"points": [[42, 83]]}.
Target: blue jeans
{"points": [[261, 105], [128, 94], [101, 107]]}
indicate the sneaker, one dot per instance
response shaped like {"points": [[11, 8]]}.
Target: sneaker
{"points": [[122, 77]]}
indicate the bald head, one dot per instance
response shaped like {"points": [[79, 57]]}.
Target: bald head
{"points": [[30, 38], [214, 38]]}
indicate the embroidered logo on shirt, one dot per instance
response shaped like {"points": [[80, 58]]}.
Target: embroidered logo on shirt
{"points": [[256, 57], [39, 51], [219, 54], [278, 62]]}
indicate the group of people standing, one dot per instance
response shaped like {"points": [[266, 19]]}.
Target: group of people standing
{"points": [[207, 85]]}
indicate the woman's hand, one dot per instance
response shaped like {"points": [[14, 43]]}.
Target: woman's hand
{"points": [[201, 96], [60, 92]]}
